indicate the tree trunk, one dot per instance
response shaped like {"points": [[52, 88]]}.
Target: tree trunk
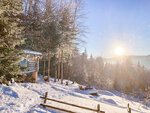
{"points": [[62, 67], [30, 6], [58, 70], [55, 73], [44, 67], [61, 73], [48, 65], [25, 11]]}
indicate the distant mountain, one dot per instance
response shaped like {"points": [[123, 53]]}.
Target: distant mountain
{"points": [[143, 60]]}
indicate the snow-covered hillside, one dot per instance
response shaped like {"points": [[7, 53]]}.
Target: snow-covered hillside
{"points": [[25, 98]]}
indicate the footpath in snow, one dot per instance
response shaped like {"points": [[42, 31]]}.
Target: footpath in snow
{"points": [[25, 98]]}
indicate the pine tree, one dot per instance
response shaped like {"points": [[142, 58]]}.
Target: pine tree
{"points": [[10, 38], [32, 18]]}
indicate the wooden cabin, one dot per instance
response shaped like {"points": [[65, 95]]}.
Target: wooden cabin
{"points": [[30, 63]]}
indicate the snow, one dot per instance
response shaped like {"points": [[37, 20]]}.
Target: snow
{"points": [[32, 52], [25, 98]]}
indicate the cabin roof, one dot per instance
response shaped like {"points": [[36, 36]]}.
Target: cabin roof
{"points": [[32, 52]]}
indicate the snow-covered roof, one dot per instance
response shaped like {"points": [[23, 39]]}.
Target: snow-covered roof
{"points": [[32, 52]]}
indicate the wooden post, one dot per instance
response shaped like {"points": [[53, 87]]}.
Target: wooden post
{"points": [[35, 74], [48, 65], [98, 108], [45, 98], [128, 108]]}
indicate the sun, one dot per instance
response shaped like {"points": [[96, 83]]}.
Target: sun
{"points": [[119, 51]]}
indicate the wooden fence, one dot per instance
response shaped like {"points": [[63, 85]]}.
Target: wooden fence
{"points": [[86, 108]]}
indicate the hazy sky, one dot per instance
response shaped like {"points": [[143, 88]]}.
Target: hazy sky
{"points": [[113, 23]]}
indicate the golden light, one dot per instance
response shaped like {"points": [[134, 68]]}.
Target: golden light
{"points": [[119, 51]]}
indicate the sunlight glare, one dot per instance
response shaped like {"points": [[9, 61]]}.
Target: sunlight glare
{"points": [[119, 51]]}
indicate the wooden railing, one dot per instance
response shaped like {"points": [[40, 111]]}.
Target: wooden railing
{"points": [[86, 108], [61, 109]]}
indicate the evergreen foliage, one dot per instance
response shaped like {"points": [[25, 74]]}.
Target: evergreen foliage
{"points": [[10, 38]]}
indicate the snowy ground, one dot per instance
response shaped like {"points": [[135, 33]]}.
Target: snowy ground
{"points": [[25, 98]]}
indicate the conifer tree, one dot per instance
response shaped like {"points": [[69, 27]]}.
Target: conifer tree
{"points": [[10, 38]]}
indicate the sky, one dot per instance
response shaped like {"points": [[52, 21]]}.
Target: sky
{"points": [[113, 23]]}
